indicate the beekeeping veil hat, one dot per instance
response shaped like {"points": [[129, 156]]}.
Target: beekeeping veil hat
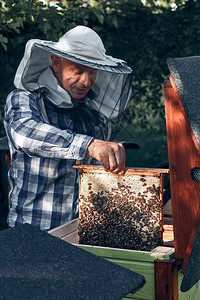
{"points": [[112, 88]]}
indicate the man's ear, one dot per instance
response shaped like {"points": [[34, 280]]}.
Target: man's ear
{"points": [[56, 62]]}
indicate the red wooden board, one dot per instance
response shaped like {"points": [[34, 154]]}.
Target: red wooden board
{"points": [[184, 155]]}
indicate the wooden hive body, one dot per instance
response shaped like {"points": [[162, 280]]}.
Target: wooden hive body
{"points": [[163, 279]]}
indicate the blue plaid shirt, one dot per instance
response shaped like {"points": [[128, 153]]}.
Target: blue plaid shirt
{"points": [[43, 183]]}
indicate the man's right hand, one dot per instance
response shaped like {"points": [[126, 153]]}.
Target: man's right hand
{"points": [[112, 155]]}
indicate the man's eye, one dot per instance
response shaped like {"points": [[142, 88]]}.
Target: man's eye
{"points": [[79, 72]]}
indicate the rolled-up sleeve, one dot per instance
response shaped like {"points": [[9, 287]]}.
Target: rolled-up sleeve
{"points": [[30, 134]]}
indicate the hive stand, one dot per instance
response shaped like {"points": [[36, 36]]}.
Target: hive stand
{"points": [[182, 92]]}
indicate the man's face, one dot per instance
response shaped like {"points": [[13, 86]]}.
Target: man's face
{"points": [[74, 78]]}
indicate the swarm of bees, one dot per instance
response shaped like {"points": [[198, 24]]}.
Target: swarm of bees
{"points": [[127, 215]]}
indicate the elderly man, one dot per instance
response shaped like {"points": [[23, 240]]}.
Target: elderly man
{"points": [[66, 94]]}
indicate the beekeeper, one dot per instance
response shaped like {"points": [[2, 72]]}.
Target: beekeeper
{"points": [[66, 93]]}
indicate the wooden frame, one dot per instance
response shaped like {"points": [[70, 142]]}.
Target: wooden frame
{"points": [[143, 185]]}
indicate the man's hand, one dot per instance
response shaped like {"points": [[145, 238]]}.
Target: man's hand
{"points": [[112, 155]]}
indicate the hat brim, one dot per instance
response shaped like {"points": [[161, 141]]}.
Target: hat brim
{"points": [[109, 64]]}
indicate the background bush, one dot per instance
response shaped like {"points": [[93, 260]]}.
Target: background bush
{"points": [[143, 35]]}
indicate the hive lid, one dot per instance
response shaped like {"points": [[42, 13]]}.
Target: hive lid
{"points": [[37, 265]]}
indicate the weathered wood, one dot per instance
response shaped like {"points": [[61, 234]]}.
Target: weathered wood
{"points": [[168, 235], [184, 155], [135, 171], [191, 240], [72, 238], [166, 280], [63, 230]]}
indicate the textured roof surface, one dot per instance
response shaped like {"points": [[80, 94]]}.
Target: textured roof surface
{"points": [[185, 72], [37, 265]]}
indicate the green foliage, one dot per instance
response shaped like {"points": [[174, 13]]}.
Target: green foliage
{"points": [[145, 39], [143, 35]]}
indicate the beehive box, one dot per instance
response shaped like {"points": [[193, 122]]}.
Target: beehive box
{"points": [[141, 262], [121, 211]]}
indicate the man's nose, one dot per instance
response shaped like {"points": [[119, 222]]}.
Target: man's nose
{"points": [[85, 79]]}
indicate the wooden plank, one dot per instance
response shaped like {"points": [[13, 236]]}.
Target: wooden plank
{"points": [[166, 280], [136, 255], [184, 155], [168, 235], [191, 240], [65, 229], [161, 212], [72, 238], [135, 171]]}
